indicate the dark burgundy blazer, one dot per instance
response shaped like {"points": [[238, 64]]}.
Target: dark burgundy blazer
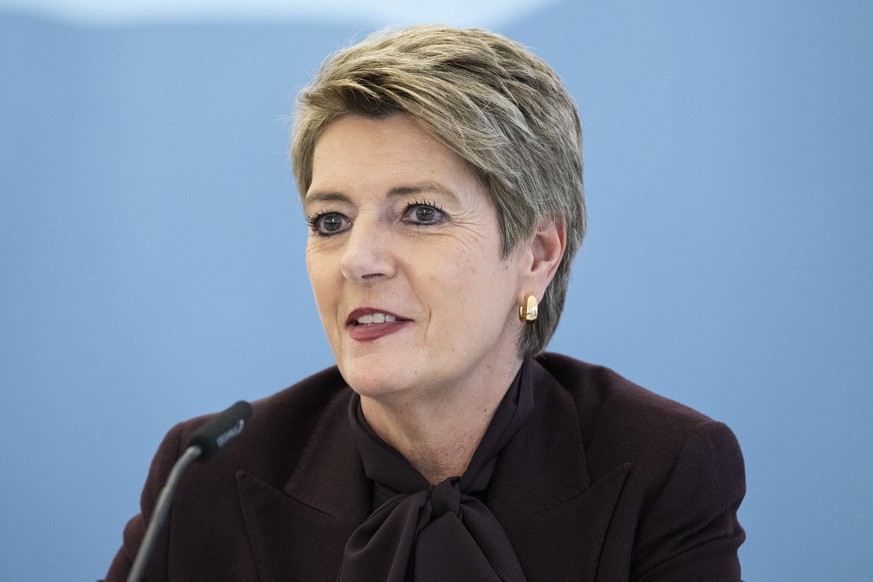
{"points": [[605, 482]]}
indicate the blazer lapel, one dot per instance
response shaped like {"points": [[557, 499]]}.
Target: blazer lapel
{"points": [[300, 531], [541, 492]]}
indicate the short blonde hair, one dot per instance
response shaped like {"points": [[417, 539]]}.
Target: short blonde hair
{"points": [[486, 98]]}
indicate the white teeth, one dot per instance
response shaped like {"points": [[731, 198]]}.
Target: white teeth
{"points": [[375, 318]]}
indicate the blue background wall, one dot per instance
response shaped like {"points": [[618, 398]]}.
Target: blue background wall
{"points": [[151, 250]]}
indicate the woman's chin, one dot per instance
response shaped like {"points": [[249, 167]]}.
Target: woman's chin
{"points": [[370, 377], [380, 388], [386, 383]]}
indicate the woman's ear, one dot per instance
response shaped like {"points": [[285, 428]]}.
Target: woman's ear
{"points": [[546, 251]]}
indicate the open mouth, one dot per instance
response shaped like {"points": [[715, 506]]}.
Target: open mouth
{"points": [[367, 317]]}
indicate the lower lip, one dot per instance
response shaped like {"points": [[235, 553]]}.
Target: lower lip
{"points": [[366, 333]]}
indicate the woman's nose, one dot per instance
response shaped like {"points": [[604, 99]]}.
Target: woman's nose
{"points": [[368, 253]]}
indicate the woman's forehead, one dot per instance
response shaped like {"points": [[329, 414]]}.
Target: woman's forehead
{"points": [[393, 154]]}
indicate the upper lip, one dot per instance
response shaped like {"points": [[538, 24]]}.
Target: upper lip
{"points": [[352, 319]]}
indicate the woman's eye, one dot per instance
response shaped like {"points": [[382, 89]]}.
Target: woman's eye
{"points": [[424, 214], [329, 223]]}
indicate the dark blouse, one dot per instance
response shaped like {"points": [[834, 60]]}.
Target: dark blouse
{"points": [[434, 533]]}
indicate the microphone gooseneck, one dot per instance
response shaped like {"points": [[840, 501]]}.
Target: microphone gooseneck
{"points": [[202, 445]]}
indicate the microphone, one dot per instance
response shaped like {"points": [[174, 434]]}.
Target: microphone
{"points": [[215, 432], [202, 445]]}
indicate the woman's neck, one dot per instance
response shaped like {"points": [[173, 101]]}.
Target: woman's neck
{"points": [[439, 434]]}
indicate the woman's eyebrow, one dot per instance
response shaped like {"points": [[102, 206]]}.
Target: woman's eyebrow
{"points": [[396, 192], [420, 187], [325, 196]]}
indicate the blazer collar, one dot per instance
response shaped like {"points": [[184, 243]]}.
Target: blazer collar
{"points": [[298, 532], [542, 494]]}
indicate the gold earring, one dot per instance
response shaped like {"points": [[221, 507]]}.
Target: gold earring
{"points": [[527, 312]]}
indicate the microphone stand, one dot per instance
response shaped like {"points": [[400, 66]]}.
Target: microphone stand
{"points": [[203, 444], [160, 513]]}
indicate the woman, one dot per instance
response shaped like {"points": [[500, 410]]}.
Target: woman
{"points": [[440, 173]]}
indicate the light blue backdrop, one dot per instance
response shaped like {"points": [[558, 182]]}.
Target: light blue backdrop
{"points": [[151, 251]]}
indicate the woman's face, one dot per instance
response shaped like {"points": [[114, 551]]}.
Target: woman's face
{"points": [[404, 256]]}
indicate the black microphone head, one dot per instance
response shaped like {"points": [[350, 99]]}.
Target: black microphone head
{"points": [[215, 432]]}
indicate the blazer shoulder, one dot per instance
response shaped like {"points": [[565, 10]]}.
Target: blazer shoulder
{"points": [[280, 427], [302, 402], [623, 422], [599, 390]]}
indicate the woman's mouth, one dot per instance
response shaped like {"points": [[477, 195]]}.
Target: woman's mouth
{"points": [[367, 324]]}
